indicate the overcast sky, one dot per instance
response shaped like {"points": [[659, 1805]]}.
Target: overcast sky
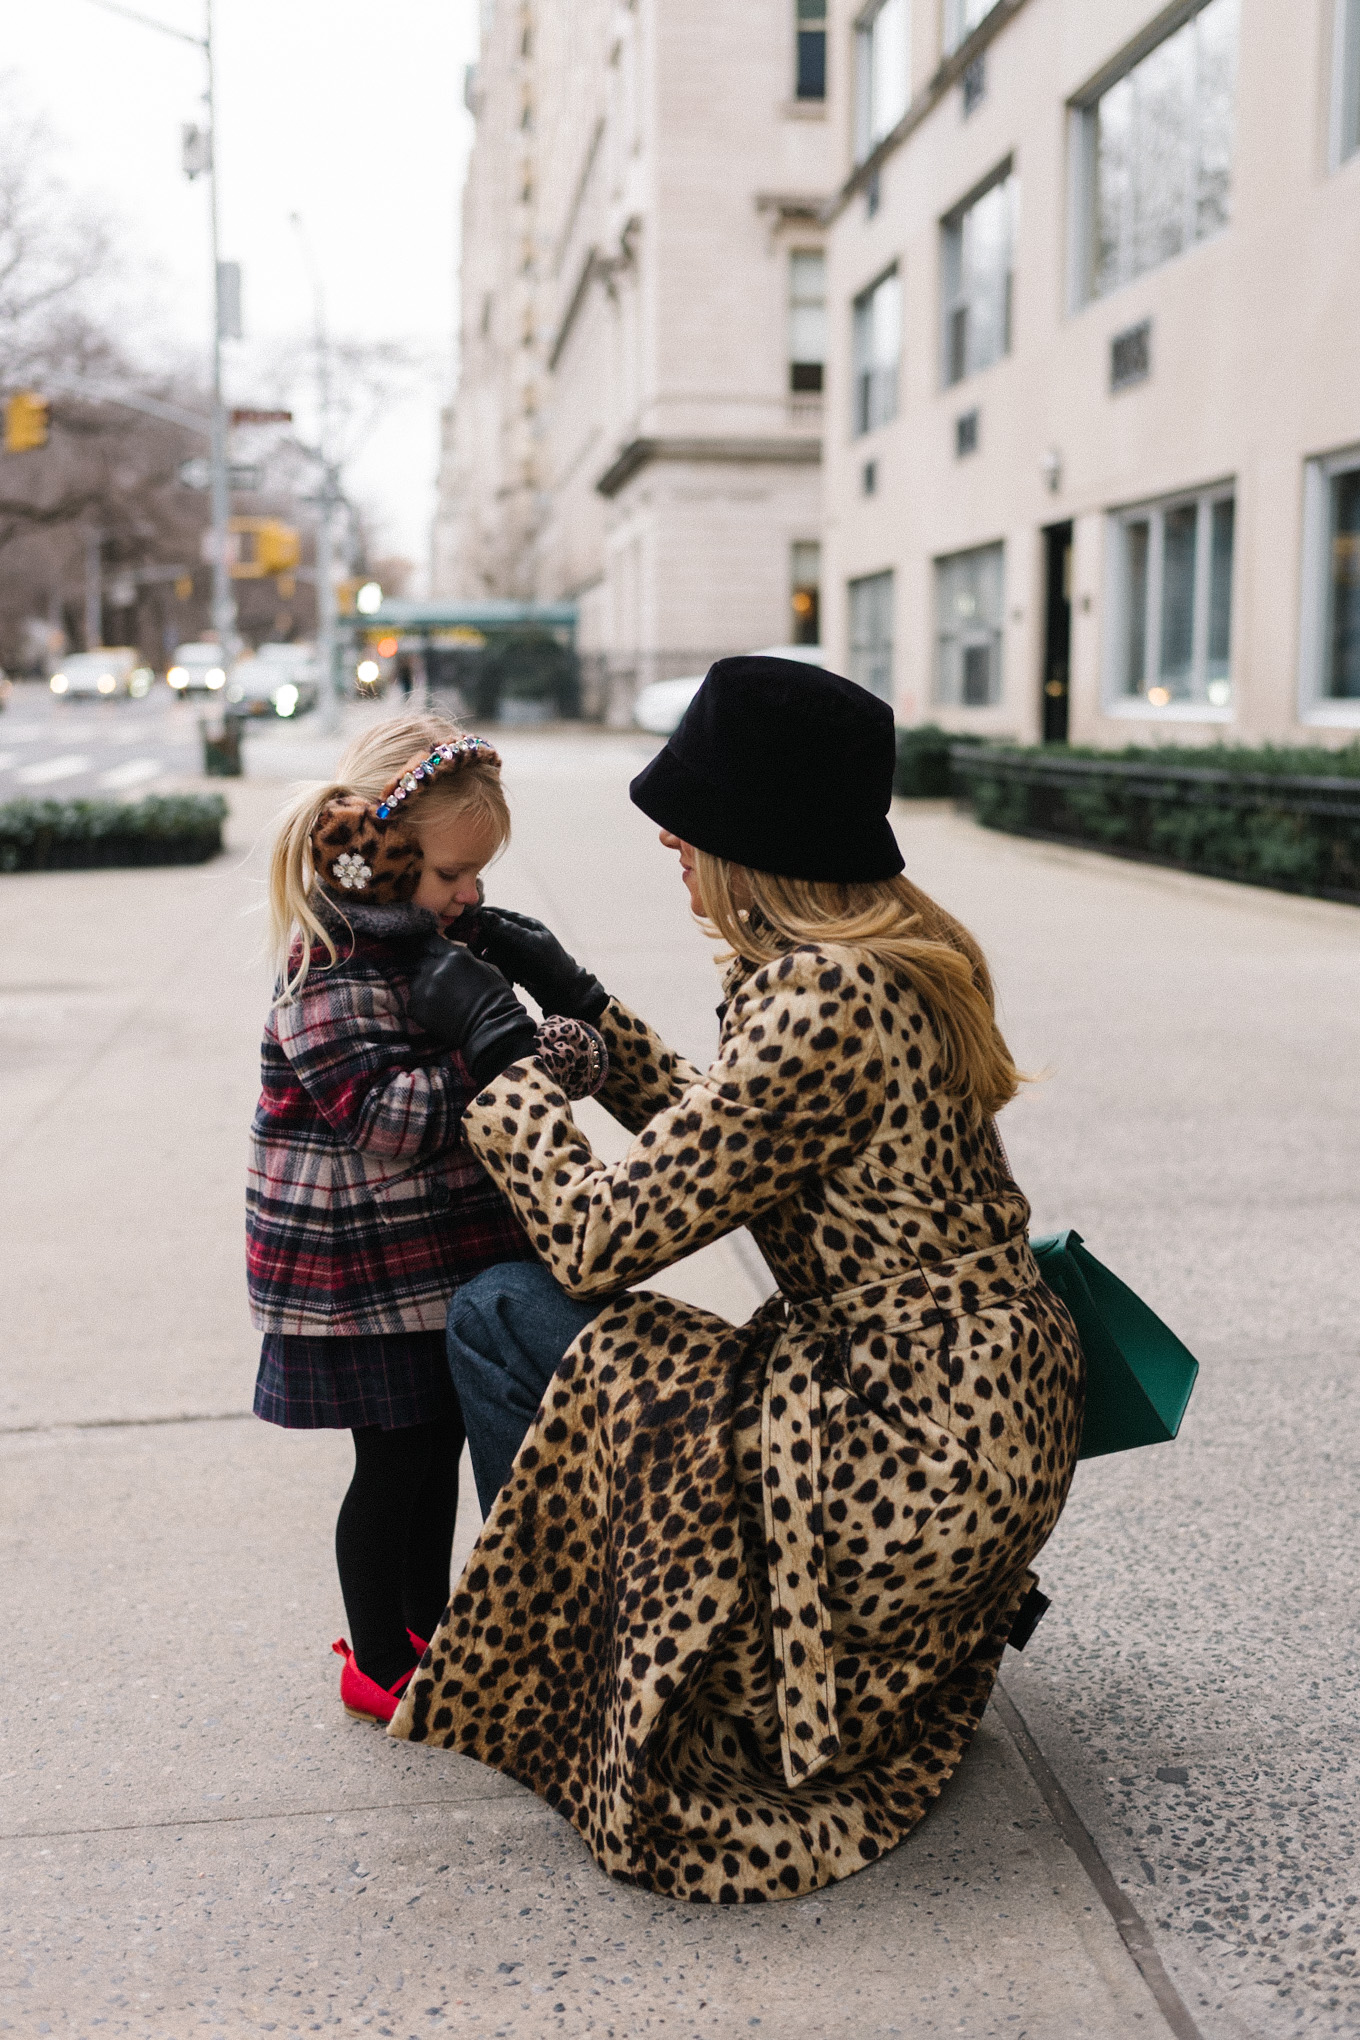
{"points": [[345, 111]]}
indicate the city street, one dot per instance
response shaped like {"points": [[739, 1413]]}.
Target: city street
{"points": [[77, 750], [197, 1840]]}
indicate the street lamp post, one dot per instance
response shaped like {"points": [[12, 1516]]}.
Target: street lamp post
{"points": [[330, 496], [205, 159]]}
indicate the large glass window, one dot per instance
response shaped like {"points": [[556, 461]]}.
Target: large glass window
{"points": [[961, 17], [807, 319], [877, 352], [1172, 602], [882, 72], [805, 576], [977, 249], [1341, 619], [871, 633], [810, 49], [1159, 151], [970, 601], [1346, 81]]}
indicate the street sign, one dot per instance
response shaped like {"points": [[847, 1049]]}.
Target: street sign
{"points": [[196, 473], [244, 415]]}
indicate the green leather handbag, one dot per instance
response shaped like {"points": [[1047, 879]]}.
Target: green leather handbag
{"points": [[1138, 1374]]}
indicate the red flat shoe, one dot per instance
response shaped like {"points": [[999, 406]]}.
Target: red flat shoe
{"points": [[363, 1698], [421, 1642]]}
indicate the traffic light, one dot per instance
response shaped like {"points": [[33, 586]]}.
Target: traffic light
{"points": [[25, 422], [268, 547]]}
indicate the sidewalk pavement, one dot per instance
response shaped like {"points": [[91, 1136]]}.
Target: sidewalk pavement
{"points": [[200, 1842]]}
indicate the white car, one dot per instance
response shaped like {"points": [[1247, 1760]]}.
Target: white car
{"points": [[197, 669], [660, 706], [278, 679], [106, 671]]}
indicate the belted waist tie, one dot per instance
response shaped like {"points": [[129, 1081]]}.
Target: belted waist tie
{"points": [[790, 1464]]}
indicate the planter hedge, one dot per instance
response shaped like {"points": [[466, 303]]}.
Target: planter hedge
{"points": [[1287, 818], [80, 835], [924, 770]]}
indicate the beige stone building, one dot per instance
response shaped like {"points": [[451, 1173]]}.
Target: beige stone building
{"points": [[1092, 433], [637, 425]]}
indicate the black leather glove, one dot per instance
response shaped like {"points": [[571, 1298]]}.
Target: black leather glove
{"points": [[467, 1005], [531, 955]]}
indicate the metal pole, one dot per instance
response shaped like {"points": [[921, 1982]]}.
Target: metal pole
{"points": [[327, 645], [223, 602], [94, 623]]}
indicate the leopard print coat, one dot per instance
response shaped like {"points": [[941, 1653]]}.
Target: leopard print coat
{"points": [[739, 1608]]}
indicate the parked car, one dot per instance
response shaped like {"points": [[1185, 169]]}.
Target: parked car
{"points": [[106, 671], [197, 669], [281, 680], [660, 705]]}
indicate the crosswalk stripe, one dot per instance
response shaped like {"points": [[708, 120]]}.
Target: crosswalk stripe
{"points": [[7, 758], [132, 773], [52, 768]]}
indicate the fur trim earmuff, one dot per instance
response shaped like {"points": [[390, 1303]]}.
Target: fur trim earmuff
{"points": [[366, 848]]}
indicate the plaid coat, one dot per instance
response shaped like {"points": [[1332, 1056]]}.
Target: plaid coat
{"points": [[365, 1209]]}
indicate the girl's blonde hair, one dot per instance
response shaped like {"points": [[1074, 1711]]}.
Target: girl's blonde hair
{"points": [[367, 768], [900, 927]]}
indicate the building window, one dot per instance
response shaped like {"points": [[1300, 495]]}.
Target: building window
{"points": [[871, 626], [961, 17], [977, 285], [807, 319], [1157, 152], [1346, 81], [877, 350], [966, 434], [805, 574], [810, 54], [1172, 603], [882, 72], [973, 85], [1131, 356], [1331, 606], [970, 596]]}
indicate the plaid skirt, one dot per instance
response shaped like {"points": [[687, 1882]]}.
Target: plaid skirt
{"points": [[389, 1379]]}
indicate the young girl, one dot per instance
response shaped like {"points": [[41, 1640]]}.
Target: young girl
{"points": [[365, 1211]]}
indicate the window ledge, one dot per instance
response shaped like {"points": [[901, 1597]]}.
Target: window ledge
{"points": [[1334, 715], [804, 109], [1175, 711]]}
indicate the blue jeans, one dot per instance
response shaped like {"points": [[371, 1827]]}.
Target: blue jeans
{"points": [[507, 1332]]}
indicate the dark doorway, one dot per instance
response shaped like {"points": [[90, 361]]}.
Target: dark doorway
{"points": [[1057, 630]]}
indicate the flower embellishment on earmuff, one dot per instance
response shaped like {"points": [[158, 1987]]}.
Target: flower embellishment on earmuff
{"points": [[350, 871], [419, 776]]}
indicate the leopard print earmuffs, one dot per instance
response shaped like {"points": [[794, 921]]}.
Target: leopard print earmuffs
{"points": [[365, 848]]}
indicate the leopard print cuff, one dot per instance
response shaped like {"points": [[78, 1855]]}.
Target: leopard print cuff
{"points": [[573, 1055]]}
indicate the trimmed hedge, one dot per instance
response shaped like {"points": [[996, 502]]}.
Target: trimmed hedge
{"points": [[80, 835], [1287, 818], [924, 771]]}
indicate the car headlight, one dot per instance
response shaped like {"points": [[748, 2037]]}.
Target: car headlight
{"points": [[236, 692], [59, 683], [285, 699], [106, 684], [139, 681], [178, 676], [214, 677]]}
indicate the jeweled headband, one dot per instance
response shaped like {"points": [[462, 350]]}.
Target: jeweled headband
{"points": [[363, 846]]}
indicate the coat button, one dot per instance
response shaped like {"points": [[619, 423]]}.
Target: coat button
{"points": [[441, 1196]]}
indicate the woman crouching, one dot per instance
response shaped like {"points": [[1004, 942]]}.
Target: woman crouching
{"points": [[741, 1595]]}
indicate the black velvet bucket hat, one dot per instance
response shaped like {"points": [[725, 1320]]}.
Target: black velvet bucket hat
{"points": [[783, 768]]}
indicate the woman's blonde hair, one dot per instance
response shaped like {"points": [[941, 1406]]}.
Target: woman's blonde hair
{"points": [[367, 768], [900, 927]]}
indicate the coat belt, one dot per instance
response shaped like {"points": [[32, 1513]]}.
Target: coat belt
{"points": [[790, 1466]]}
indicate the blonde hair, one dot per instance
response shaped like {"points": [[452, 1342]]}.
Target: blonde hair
{"points": [[900, 927], [367, 768]]}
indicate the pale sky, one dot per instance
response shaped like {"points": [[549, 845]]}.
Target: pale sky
{"points": [[345, 111]]}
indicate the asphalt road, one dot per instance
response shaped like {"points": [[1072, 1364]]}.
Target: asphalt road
{"points": [[52, 749], [195, 1839]]}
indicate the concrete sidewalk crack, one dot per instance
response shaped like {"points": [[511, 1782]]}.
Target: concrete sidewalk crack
{"points": [[124, 1423], [1130, 1925], [136, 1827]]}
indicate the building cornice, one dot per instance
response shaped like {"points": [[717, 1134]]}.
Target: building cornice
{"points": [[927, 99], [640, 453]]}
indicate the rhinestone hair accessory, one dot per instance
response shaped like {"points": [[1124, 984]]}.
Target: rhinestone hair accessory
{"points": [[413, 779]]}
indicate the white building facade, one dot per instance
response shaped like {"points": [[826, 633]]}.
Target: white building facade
{"points": [[638, 421], [1092, 424]]}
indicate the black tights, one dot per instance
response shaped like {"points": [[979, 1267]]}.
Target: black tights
{"points": [[394, 1540]]}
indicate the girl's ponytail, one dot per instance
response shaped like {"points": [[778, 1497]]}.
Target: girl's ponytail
{"points": [[294, 925]]}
